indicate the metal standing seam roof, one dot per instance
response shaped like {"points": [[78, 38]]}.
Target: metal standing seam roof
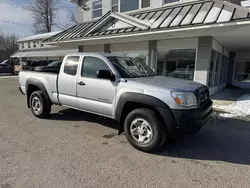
{"points": [[73, 32], [167, 17]]}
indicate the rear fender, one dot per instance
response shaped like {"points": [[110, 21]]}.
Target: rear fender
{"points": [[30, 83]]}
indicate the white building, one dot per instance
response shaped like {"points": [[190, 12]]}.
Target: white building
{"points": [[203, 40], [32, 48]]}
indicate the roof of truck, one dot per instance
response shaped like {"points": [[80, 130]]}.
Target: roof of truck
{"points": [[92, 53]]}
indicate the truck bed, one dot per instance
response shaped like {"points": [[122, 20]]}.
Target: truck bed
{"points": [[49, 81]]}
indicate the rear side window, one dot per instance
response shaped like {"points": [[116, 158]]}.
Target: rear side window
{"points": [[91, 65], [71, 64]]}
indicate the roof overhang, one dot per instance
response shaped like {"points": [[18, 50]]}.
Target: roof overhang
{"points": [[204, 30], [43, 53], [200, 18]]}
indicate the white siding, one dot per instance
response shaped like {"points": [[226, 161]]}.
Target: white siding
{"points": [[87, 14], [120, 47], [156, 3], [185, 43], [106, 4], [94, 48]]}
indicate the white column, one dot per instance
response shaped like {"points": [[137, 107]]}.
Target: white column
{"points": [[203, 60]]}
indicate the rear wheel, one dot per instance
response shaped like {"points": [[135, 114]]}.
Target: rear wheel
{"points": [[40, 107], [144, 130]]}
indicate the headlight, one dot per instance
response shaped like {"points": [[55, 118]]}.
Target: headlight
{"points": [[185, 99]]}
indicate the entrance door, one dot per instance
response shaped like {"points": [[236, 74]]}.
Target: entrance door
{"points": [[94, 94]]}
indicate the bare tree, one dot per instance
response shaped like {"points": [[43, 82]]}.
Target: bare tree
{"points": [[44, 13], [7, 45], [72, 16]]}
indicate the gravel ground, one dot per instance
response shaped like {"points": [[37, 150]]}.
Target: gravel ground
{"points": [[74, 149]]}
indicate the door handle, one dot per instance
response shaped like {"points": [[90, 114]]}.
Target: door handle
{"points": [[81, 83]]}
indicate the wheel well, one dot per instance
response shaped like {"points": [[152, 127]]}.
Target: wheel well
{"points": [[130, 106], [30, 90]]}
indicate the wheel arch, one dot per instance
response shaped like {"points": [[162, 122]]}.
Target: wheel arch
{"points": [[35, 85], [130, 101]]}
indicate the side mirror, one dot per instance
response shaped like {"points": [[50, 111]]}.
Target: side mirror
{"points": [[105, 74]]}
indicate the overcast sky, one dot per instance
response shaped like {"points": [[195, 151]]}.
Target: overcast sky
{"points": [[15, 19]]}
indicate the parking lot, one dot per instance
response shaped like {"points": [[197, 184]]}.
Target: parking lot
{"points": [[77, 149]]}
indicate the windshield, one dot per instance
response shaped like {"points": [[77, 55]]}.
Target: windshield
{"points": [[130, 67], [55, 63]]}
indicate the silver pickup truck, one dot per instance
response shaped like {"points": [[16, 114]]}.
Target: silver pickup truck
{"points": [[150, 109]]}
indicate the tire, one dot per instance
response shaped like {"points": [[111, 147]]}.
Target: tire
{"points": [[138, 125], [40, 107]]}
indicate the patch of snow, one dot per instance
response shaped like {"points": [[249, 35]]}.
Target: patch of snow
{"points": [[240, 108], [226, 115]]}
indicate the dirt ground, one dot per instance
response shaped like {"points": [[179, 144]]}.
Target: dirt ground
{"points": [[76, 149]]}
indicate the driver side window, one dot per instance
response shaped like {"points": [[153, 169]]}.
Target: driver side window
{"points": [[91, 65]]}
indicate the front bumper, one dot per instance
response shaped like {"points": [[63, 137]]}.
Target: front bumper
{"points": [[191, 121]]}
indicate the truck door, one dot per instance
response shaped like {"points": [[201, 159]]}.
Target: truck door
{"points": [[67, 81], [94, 94]]}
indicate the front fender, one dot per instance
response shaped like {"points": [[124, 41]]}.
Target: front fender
{"points": [[138, 98], [148, 100]]}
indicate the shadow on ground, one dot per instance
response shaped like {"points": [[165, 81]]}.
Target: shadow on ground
{"points": [[221, 139], [226, 140], [76, 115]]}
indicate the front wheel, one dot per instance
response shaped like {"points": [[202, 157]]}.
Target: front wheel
{"points": [[144, 130], [40, 107]]}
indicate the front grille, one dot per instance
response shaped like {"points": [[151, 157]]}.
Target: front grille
{"points": [[204, 96]]}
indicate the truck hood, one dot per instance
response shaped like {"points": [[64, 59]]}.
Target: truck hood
{"points": [[163, 82]]}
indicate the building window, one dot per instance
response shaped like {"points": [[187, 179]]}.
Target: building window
{"points": [[71, 65], [217, 69], [97, 8], [42, 45], [169, 1], [145, 3], [34, 44], [115, 6], [214, 77], [22, 45], [223, 70], [226, 69], [28, 44], [211, 69], [128, 5], [242, 70], [178, 63]]}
